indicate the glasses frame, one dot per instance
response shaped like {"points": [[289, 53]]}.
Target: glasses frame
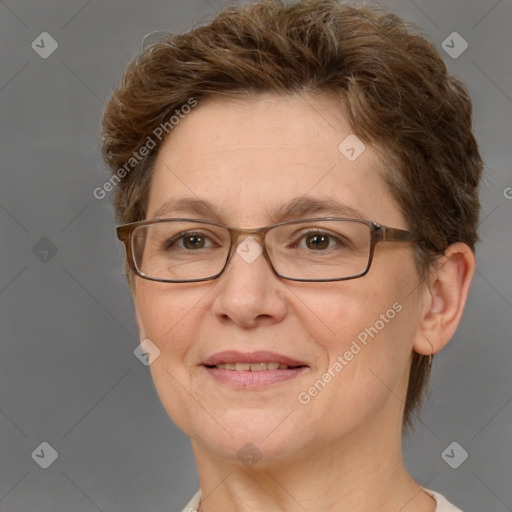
{"points": [[378, 233]]}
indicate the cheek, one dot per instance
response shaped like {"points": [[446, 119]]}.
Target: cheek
{"points": [[167, 316], [370, 325], [369, 333]]}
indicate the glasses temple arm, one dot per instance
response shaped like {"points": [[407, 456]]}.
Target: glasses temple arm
{"points": [[399, 235]]}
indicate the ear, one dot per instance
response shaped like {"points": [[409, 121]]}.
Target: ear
{"points": [[445, 297]]}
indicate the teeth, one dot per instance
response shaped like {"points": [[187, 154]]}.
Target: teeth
{"points": [[253, 367]]}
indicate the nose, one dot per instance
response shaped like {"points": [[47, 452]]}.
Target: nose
{"points": [[249, 293]]}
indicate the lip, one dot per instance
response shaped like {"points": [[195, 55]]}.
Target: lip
{"points": [[246, 379], [233, 356]]}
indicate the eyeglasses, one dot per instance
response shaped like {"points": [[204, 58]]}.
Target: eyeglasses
{"points": [[191, 250]]}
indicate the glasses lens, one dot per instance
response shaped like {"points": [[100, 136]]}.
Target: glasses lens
{"points": [[180, 250], [319, 250]]}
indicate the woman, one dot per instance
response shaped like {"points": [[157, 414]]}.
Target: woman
{"points": [[297, 188]]}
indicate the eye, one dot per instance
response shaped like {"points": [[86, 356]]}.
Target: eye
{"points": [[188, 241], [319, 241], [194, 241]]}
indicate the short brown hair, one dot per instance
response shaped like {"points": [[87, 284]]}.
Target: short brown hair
{"points": [[392, 84]]}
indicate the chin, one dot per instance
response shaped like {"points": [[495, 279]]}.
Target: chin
{"points": [[249, 436]]}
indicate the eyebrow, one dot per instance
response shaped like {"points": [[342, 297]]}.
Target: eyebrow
{"points": [[299, 207]]}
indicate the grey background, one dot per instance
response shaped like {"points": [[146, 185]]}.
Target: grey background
{"points": [[68, 375]]}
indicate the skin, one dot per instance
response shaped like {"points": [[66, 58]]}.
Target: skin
{"points": [[342, 450]]}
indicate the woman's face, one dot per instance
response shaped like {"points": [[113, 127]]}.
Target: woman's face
{"points": [[352, 338]]}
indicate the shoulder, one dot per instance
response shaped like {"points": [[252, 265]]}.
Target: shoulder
{"points": [[443, 505]]}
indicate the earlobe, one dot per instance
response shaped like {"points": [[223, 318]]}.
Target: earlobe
{"points": [[446, 295]]}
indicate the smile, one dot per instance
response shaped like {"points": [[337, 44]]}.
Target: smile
{"points": [[251, 371]]}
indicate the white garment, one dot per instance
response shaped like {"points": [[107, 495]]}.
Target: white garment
{"points": [[193, 503], [443, 505]]}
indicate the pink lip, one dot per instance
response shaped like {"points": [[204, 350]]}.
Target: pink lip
{"points": [[247, 379]]}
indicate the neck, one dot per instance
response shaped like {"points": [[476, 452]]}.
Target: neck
{"points": [[351, 475]]}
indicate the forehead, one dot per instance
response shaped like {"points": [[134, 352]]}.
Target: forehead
{"points": [[248, 157]]}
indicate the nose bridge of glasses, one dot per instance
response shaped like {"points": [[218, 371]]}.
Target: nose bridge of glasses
{"points": [[238, 235]]}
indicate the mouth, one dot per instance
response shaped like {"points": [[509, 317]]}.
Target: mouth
{"points": [[252, 370], [252, 367]]}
